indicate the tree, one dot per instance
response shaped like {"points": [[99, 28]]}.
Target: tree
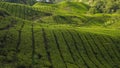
{"points": [[107, 6]]}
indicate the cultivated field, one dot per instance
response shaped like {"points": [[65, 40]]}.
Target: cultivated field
{"points": [[45, 37]]}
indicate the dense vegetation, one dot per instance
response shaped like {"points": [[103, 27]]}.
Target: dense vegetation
{"points": [[105, 6], [28, 2], [67, 34]]}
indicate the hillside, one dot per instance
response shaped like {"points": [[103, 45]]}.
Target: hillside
{"points": [[39, 45], [65, 7], [60, 35], [23, 11]]}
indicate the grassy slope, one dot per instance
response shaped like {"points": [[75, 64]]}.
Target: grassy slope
{"points": [[75, 14], [39, 45], [64, 7], [72, 7]]}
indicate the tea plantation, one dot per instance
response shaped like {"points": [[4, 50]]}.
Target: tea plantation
{"points": [[60, 35]]}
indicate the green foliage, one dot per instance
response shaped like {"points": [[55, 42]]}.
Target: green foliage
{"points": [[28, 2], [72, 7], [92, 10], [23, 11], [61, 35], [3, 13], [106, 6]]}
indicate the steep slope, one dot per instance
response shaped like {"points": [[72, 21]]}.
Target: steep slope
{"points": [[23, 11], [75, 13], [40, 37], [72, 7], [65, 7], [54, 46]]}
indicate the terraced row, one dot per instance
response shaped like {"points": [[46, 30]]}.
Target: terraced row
{"points": [[31, 47], [23, 11]]}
